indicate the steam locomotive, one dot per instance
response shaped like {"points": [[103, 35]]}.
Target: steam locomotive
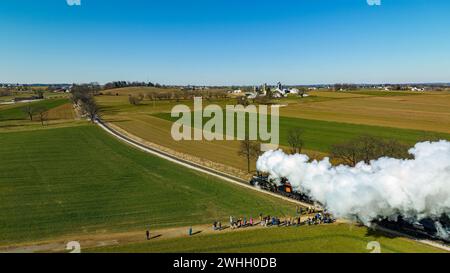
{"points": [[283, 188], [427, 228]]}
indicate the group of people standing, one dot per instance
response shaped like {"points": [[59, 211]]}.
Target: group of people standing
{"points": [[318, 218], [302, 211], [275, 221], [240, 222]]}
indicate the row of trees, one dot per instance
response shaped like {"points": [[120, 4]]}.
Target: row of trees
{"points": [[83, 96], [361, 149], [345, 86], [177, 95], [245, 101], [366, 148]]}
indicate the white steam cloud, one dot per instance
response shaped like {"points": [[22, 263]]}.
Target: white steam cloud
{"points": [[386, 188]]}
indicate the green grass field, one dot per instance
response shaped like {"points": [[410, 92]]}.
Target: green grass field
{"points": [[80, 180], [71, 178], [341, 238], [16, 112], [320, 135]]}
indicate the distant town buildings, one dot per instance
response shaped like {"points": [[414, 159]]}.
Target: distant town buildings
{"points": [[417, 89], [277, 91]]}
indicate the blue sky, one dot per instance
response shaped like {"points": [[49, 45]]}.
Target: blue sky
{"points": [[225, 41]]}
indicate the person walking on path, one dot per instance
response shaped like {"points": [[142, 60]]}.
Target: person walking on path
{"points": [[148, 234]]}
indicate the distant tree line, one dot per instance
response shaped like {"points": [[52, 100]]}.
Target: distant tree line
{"points": [[176, 95], [345, 86], [123, 84]]}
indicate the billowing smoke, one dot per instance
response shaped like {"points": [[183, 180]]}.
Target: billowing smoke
{"points": [[386, 188]]}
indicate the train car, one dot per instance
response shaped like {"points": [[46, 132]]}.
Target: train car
{"points": [[423, 229], [283, 188], [263, 182]]}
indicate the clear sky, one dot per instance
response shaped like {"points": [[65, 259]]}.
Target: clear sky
{"points": [[225, 41]]}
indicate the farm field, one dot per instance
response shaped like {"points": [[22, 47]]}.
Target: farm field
{"points": [[15, 112], [13, 118], [424, 111], [76, 180], [326, 117], [80, 180], [321, 135], [336, 238], [26, 94]]}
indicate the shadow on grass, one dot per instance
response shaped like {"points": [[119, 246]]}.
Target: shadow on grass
{"points": [[12, 125], [156, 236], [116, 120], [379, 233]]}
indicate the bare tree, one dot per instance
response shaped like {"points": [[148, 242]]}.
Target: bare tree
{"points": [[91, 108], [295, 140], [43, 115], [262, 100], [177, 96], [394, 148], [152, 97], [346, 152], [134, 100], [302, 92], [30, 110], [250, 150], [369, 147], [366, 148], [242, 100]]}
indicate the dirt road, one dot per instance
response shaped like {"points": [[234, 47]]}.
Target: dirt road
{"points": [[112, 239]]}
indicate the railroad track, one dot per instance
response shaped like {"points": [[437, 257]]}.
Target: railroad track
{"points": [[230, 178]]}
